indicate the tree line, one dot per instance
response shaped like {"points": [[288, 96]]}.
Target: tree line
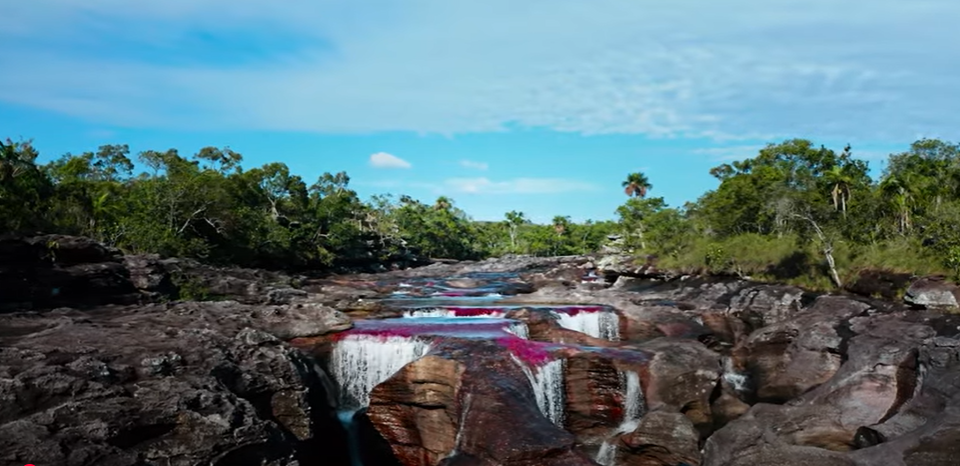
{"points": [[795, 211], [799, 211], [207, 206]]}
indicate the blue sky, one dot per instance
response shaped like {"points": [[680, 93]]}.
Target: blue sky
{"points": [[541, 106]]}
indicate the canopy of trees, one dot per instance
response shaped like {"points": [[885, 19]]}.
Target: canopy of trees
{"points": [[207, 206], [796, 208]]}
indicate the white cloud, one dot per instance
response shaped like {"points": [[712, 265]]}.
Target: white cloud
{"points": [[474, 165], [730, 153], [385, 160], [735, 70], [484, 185]]}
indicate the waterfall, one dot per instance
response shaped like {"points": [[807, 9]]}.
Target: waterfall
{"points": [[730, 375], [353, 441], [451, 313], [361, 362], [519, 329], [597, 324], [547, 384], [633, 409]]}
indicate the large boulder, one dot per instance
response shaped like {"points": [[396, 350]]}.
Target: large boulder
{"points": [[786, 359], [455, 406], [53, 270], [185, 384], [661, 439], [933, 292], [681, 377]]}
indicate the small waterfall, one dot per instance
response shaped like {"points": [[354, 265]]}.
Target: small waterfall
{"points": [[451, 313], [419, 313], [353, 442], [633, 409], [361, 362], [598, 324], [519, 329], [547, 384], [730, 375]]}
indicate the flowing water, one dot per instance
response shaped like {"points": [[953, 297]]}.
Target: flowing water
{"points": [[633, 410], [375, 350], [361, 362], [598, 323], [546, 380]]}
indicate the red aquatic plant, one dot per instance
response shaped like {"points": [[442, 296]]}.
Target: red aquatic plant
{"points": [[531, 352]]}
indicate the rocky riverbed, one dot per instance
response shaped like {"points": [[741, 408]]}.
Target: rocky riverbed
{"points": [[514, 361]]}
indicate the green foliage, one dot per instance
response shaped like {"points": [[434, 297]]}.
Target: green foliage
{"points": [[206, 206], [795, 210]]}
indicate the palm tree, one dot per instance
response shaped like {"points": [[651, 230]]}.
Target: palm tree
{"points": [[840, 180], [637, 185], [899, 190]]}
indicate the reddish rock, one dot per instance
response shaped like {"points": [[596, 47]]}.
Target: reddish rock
{"points": [[661, 439], [417, 410], [595, 389], [681, 377], [463, 397], [786, 359]]}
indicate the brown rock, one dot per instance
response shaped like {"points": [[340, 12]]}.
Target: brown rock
{"points": [[661, 439], [789, 358], [681, 377]]}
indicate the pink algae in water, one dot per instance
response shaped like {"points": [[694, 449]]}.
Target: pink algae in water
{"points": [[475, 311], [574, 310], [531, 352], [421, 327]]}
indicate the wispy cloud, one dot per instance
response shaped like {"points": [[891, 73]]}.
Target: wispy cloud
{"points": [[484, 185], [730, 153], [860, 69], [474, 165], [385, 160]]}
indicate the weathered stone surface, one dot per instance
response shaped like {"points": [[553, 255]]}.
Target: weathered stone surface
{"points": [[458, 403], [786, 359], [933, 292], [302, 320], [661, 439], [179, 384], [681, 377]]}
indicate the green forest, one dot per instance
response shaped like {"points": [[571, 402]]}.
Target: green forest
{"points": [[795, 212]]}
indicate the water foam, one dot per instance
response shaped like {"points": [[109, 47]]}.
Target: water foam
{"points": [[634, 406], [547, 383], [361, 362], [450, 313], [736, 379], [598, 324]]}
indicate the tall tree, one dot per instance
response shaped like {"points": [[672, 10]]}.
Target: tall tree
{"points": [[636, 185]]}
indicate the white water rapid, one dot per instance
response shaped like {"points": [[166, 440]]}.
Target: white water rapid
{"points": [[736, 379], [440, 312], [519, 329], [361, 362], [547, 384], [599, 324], [633, 409]]}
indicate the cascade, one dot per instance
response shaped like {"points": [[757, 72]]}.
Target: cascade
{"points": [[353, 442], [598, 324], [730, 375], [633, 410], [519, 329], [361, 362], [547, 383], [454, 312]]}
